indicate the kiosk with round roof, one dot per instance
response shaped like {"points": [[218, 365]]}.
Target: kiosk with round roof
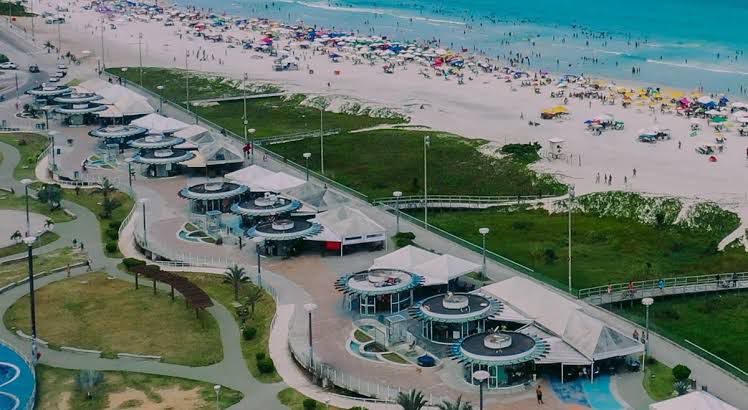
{"points": [[78, 108], [449, 317], [118, 134], [157, 152], [265, 207], [378, 291], [156, 141], [212, 196], [45, 94], [284, 235], [508, 357]]}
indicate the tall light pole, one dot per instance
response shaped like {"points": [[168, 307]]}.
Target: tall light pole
{"points": [[140, 56], [647, 302], [52, 141], [217, 389], [129, 172], [31, 10], [426, 144], [258, 244], [571, 201], [481, 376], [321, 144], [310, 307], [145, 229], [244, 100], [251, 132], [29, 241], [307, 155], [187, 80], [101, 36], [397, 195], [59, 39], [26, 182], [160, 89], [484, 232]]}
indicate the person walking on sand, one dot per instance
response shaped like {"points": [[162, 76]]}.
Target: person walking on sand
{"points": [[539, 394], [634, 172]]}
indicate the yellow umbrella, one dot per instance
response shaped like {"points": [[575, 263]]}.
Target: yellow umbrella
{"points": [[559, 109]]}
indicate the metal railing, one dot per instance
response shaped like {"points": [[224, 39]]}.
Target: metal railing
{"points": [[279, 139], [462, 201], [617, 292]]}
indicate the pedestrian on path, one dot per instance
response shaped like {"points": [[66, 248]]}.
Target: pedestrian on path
{"points": [[67, 270], [88, 265], [539, 395]]}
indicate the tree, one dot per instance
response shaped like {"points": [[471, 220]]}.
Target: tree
{"points": [[50, 194], [3, 58], [49, 46], [17, 236], [455, 405], [235, 275], [87, 380], [108, 205], [254, 296], [412, 400], [106, 187], [681, 372], [48, 223]]}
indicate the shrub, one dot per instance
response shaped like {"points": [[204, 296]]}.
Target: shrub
{"points": [[550, 255], [681, 373], [309, 404], [521, 225], [132, 262], [249, 333], [111, 246], [87, 380], [358, 408], [403, 239], [266, 365], [259, 356], [112, 234], [115, 225], [669, 313], [3, 58]]}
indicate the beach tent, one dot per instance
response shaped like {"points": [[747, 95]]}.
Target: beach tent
{"points": [[247, 175], [259, 179], [348, 226], [435, 269], [157, 123], [696, 400], [315, 198], [591, 337]]}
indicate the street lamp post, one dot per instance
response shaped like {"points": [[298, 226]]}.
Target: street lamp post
{"points": [[321, 144], [310, 307], [426, 144], [101, 34], [217, 389], [397, 195], [140, 56], [258, 244], [145, 229], [160, 89], [307, 155], [251, 132], [29, 241], [647, 302], [481, 376], [54, 158], [484, 232], [26, 182], [129, 172], [571, 200], [244, 100]]}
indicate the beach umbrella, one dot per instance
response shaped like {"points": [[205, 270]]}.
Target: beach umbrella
{"points": [[704, 99], [719, 120]]}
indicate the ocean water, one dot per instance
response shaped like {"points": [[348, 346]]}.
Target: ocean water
{"points": [[680, 43]]}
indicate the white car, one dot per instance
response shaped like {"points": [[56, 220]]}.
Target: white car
{"points": [[62, 67], [59, 74], [54, 79], [8, 66]]}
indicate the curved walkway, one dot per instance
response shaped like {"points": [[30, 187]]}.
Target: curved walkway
{"points": [[231, 371]]}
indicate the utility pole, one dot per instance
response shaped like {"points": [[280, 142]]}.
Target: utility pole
{"points": [[426, 144], [187, 80], [59, 39], [571, 199], [140, 56], [321, 144], [101, 34], [31, 10]]}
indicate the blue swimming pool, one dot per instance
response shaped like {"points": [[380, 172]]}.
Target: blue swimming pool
{"points": [[17, 381], [597, 395]]}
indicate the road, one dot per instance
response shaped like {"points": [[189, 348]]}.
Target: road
{"points": [[13, 45]]}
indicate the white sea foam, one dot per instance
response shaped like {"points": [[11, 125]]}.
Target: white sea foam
{"points": [[376, 11], [711, 69]]}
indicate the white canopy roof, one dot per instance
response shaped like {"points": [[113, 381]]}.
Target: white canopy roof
{"points": [[159, 124], [348, 226], [315, 198], [564, 317], [260, 179], [559, 352], [436, 269], [191, 132], [696, 400]]}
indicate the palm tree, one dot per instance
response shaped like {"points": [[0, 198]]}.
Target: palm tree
{"points": [[455, 405], [17, 236], [235, 275], [87, 380], [412, 400], [49, 46], [254, 296], [108, 205], [106, 187]]}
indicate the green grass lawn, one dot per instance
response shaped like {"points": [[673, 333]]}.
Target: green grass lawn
{"points": [[716, 322], [16, 9], [94, 312], [58, 258], [30, 146], [294, 400], [658, 381], [382, 161], [264, 312], [605, 249], [92, 199], [58, 390], [46, 238], [57, 215]]}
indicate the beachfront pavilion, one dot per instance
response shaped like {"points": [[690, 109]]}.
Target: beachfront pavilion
{"points": [[158, 124], [255, 209], [259, 179], [437, 270], [315, 198], [78, 109], [348, 227], [119, 135], [508, 357], [212, 196], [449, 317], [378, 291], [158, 155], [45, 94], [283, 236], [576, 340]]}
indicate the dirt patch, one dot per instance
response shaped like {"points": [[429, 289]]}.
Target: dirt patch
{"points": [[173, 398]]}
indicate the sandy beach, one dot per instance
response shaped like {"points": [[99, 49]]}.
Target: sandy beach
{"points": [[483, 107]]}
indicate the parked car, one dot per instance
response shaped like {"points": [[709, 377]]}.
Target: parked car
{"points": [[54, 79], [8, 66], [59, 74], [33, 68], [62, 67]]}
